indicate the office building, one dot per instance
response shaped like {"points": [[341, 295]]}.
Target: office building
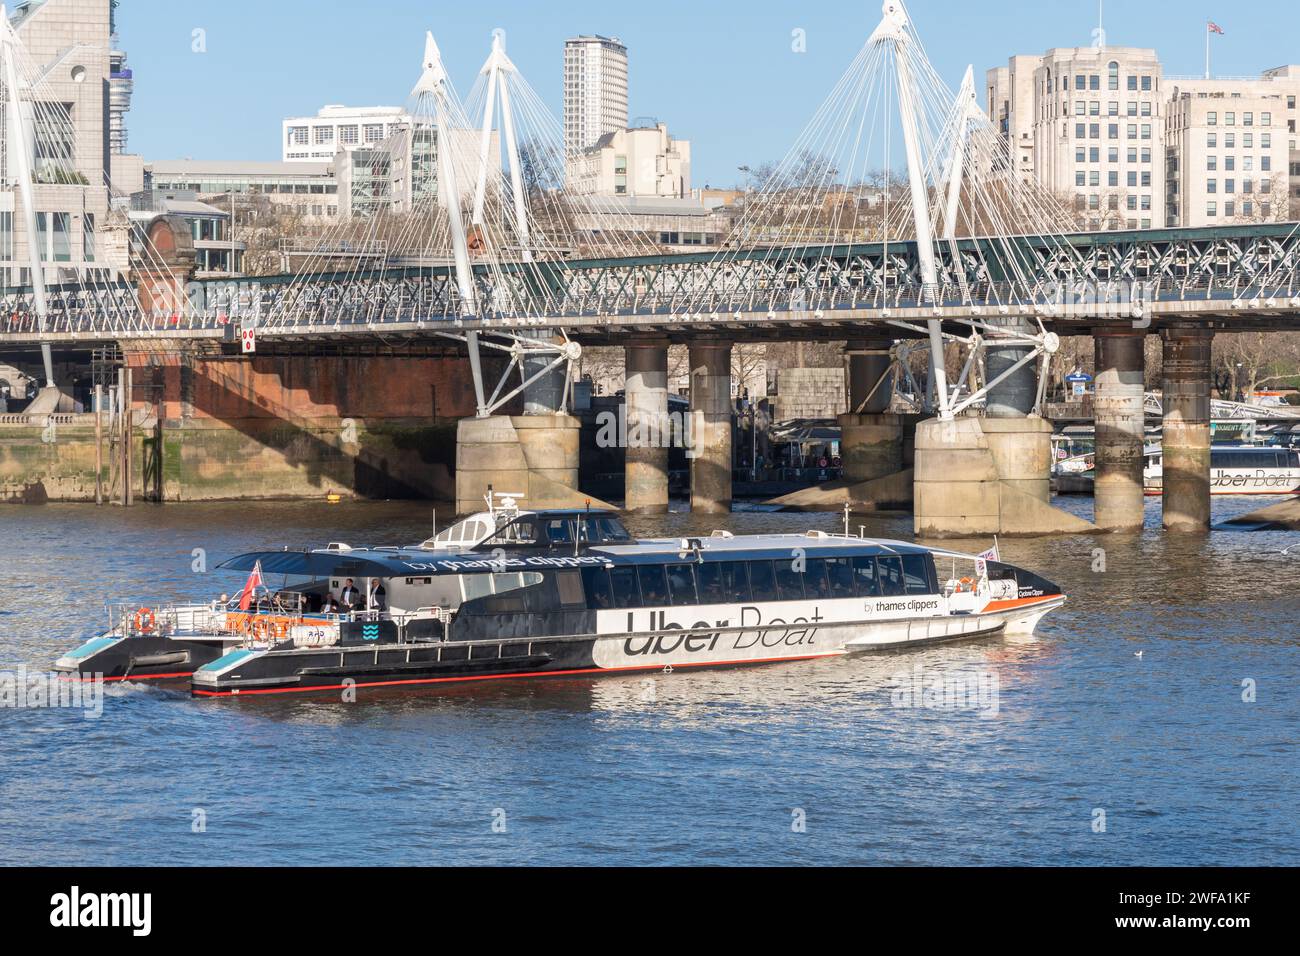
{"points": [[316, 139], [595, 90]]}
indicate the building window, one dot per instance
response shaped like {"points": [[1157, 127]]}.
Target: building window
{"points": [[1229, 185], [1211, 162], [1229, 209], [1212, 140], [88, 237], [1211, 118], [349, 135], [1146, 84], [324, 135], [1211, 208], [1112, 76], [1211, 186], [297, 136], [1133, 82], [1229, 163]]}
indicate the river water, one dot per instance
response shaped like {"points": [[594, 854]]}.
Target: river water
{"points": [[1074, 751]]}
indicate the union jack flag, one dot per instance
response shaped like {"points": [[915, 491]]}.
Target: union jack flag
{"points": [[1215, 28]]}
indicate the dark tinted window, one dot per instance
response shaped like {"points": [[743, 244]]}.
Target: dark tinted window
{"points": [[735, 582], [916, 576], [596, 583], [708, 577], [815, 582], [654, 585], [604, 529], [623, 583], [762, 581], [558, 531], [788, 580], [681, 583], [866, 581], [840, 572], [890, 571], [522, 531]]}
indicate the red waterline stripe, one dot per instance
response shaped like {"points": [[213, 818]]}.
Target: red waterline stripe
{"points": [[469, 677]]}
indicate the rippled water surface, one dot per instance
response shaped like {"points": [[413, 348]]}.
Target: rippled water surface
{"points": [[703, 767]]}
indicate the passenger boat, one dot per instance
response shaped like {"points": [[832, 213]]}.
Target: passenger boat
{"points": [[1236, 470], [510, 593]]}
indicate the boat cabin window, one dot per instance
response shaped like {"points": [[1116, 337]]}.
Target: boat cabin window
{"points": [[840, 572], [708, 578], [816, 583], [866, 582], [623, 582], [467, 532], [556, 531], [735, 582], [522, 531], [1250, 458], [917, 575], [789, 581], [604, 529], [681, 584], [890, 572], [559, 530], [595, 581], [654, 585], [481, 585], [762, 580]]}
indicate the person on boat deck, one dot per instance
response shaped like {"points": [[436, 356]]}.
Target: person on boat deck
{"points": [[328, 605], [378, 597], [349, 597]]}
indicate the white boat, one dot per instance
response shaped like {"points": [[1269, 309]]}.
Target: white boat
{"points": [[1236, 470]]}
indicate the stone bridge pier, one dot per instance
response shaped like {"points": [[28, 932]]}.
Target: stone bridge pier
{"points": [[876, 473], [1186, 433], [534, 454], [709, 448], [649, 430], [1120, 416], [976, 476]]}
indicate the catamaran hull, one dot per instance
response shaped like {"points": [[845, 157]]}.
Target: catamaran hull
{"points": [[335, 669], [150, 658]]}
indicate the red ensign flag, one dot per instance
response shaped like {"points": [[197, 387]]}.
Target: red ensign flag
{"points": [[254, 582], [1215, 28]]}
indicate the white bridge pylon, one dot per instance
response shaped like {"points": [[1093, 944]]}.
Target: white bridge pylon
{"points": [[895, 31], [834, 201]]}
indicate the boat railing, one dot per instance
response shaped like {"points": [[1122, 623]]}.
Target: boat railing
{"points": [[255, 625], [166, 620]]}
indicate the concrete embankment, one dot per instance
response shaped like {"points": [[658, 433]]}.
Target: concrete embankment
{"points": [[1283, 516]]}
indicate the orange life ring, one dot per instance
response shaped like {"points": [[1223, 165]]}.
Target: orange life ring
{"points": [[144, 620], [966, 584]]}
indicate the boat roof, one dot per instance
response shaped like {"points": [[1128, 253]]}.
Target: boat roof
{"points": [[417, 562]]}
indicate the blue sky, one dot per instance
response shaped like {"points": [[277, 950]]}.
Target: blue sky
{"points": [[720, 72]]}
